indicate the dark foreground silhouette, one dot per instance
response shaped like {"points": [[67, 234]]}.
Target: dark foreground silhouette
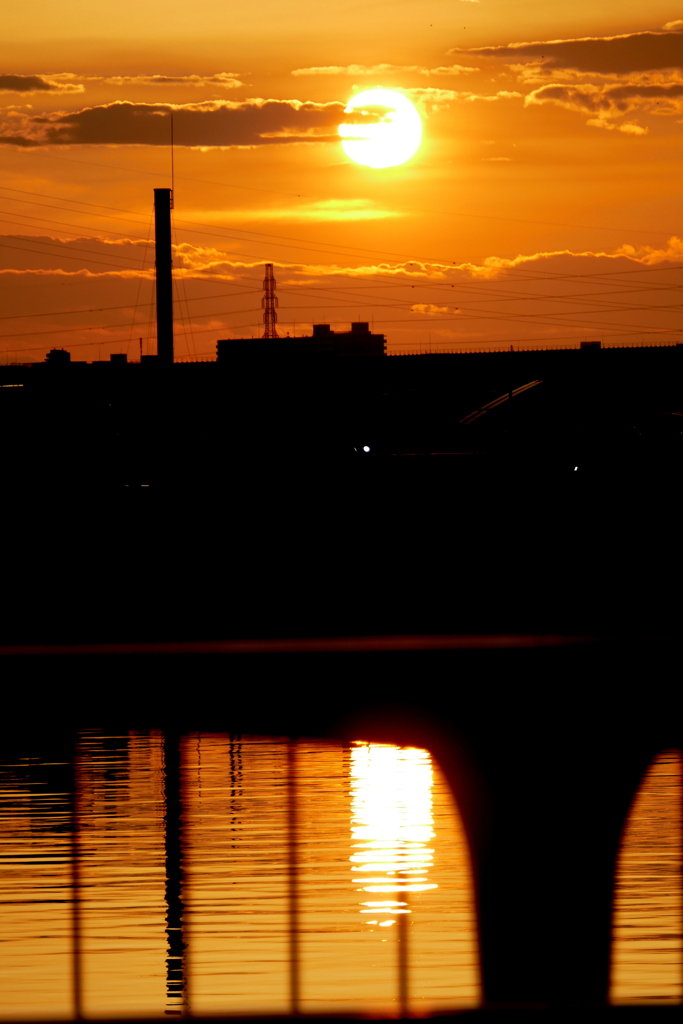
{"points": [[556, 587]]}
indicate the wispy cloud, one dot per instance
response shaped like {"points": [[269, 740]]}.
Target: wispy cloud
{"points": [[99, 280], [360, 70], [325, 210], [648, 255], [224, 79], [436, 98], [429, 309], [628, 128], [28, 252]]}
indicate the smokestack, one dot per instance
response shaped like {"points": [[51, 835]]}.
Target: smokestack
{"points": [[163, 202]]}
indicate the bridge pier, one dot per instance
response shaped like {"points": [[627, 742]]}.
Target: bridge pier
{"points": [[544, 742], [544, 865], [544, 750]]}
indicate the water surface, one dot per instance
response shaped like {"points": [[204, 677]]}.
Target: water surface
{"points": [[222, 874], [647, 950], [373, 865]]}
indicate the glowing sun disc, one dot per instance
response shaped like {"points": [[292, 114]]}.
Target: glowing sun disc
{"points": [[388, 142]]}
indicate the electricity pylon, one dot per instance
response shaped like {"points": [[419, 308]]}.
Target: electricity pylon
{"points": [[269, 303]]}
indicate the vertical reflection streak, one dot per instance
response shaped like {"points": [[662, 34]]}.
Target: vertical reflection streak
{"points": [[392, 822], [403, 993], [176, 981], [293, 881], [76, 960]]}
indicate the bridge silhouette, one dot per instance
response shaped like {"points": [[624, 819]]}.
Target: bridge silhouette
{"points": [[517, 620], [543, 739]]}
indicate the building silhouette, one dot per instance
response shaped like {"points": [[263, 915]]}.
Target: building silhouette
{"points": [[360, 341]]}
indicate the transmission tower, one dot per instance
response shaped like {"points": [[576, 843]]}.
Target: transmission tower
{"points": [[269, 303]]}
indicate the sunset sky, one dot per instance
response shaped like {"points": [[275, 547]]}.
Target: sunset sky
{"points": [[543, 207]]}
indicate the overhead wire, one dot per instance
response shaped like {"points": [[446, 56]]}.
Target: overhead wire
{"points": [[179, 284], [63, 255], [328, 247], [137, 294], [40, 152], [543, 318], [461, 317], [101, 309], [63, 223], [379, 282], [510, 295], [99, 327]]}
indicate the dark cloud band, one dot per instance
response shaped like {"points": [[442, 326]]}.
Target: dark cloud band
{"points": [[217, 124], [612, 100], [624, 54], [28, 83]]}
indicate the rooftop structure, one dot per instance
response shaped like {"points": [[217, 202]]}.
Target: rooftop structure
{"points": [[359, 341]]}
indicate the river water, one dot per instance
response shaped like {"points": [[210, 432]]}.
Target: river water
{"points": [[647, 951], [225, 874]]}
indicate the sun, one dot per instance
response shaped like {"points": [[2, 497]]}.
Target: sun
{"points": [[387, 142]]}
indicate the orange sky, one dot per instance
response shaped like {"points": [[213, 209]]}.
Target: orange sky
{"points": [[543, 207]]}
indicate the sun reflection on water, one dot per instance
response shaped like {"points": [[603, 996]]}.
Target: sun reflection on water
{"points": [[391, 826]]}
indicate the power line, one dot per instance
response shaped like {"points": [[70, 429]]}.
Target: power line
{"points": [[64, 223], [63, 255], [39, 152], [445, 261], [377, 281]]}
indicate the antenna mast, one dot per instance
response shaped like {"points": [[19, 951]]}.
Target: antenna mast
{"points": [[269, 303], [172, 165]]}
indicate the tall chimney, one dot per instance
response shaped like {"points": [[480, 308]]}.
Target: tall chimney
{"points": [[163, 201]]}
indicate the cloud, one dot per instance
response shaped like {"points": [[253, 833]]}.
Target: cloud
{"points": [[219, 123], [351, 69], [622, 54], [646, 254], [39, 83], [429, 309], [360, 70], [494, 266], [45, 253], [503, 94], [451, 69], [17, 140], [126, 258], [629, 127], [90, 290], [611, 100], [434, 99], [325, 210], [439, 97], [539, 73], [224, 79]]}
